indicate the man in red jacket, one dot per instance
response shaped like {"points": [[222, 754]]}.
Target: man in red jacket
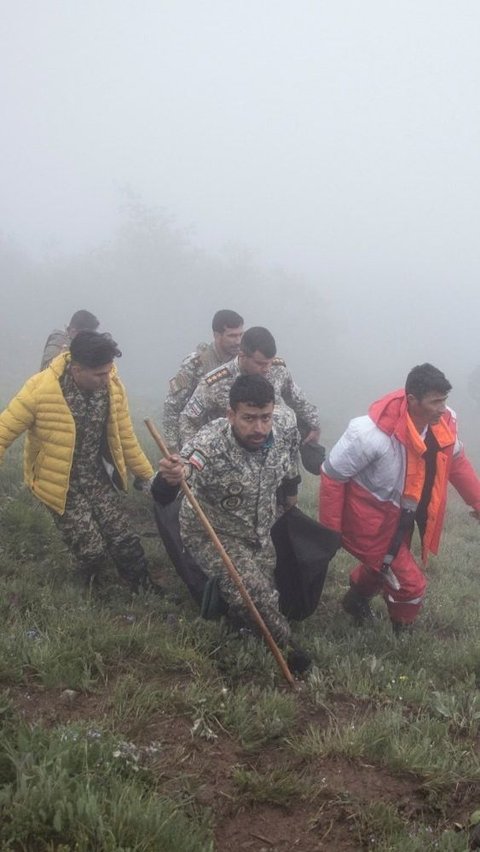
{"points": [[390, 469]]}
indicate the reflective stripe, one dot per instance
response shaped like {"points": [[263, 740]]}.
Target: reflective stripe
{"points": [[400, 603]]}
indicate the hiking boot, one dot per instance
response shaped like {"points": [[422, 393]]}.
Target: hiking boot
{"points": [[88, 573], [86, 579], [137, 578], [400, 629], [298, 661], [357, 605]]}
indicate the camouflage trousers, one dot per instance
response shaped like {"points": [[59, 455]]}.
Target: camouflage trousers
{"points": [[256, 567], [95, 526]]}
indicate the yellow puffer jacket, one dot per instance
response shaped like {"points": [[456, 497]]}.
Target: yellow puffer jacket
{"points": [[41, 409]]}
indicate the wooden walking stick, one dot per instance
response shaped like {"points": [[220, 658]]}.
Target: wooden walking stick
{"points": [[232, 571]]}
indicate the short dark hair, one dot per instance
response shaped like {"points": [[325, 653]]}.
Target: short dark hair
{"points": [[92, 349], [258, 339], [253, 390], [84, 321], [226, 319], [425, 378]]}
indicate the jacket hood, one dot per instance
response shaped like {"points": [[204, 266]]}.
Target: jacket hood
{"points": [[389, 412]]}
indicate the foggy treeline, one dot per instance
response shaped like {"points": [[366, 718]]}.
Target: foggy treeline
{"points": [[156, 291], [331, 147]]}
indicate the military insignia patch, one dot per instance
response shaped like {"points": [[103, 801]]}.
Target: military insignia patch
{"points": [[234, 499], [212, 378], [178, 383], [197, 460]]}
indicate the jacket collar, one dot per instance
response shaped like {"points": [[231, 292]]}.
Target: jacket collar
{"points": [[390, 414]]}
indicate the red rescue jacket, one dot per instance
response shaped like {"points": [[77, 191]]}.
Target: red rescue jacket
{"points": [[378, 463]]}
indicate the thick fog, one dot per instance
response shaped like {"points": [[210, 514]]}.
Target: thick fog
{"points": [[312, 165]]}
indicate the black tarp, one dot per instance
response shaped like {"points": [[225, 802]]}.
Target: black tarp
{"points": [[185, 566], [304, 549]]}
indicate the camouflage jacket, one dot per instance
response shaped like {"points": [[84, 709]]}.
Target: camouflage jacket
{"points": [[90, 413], [181, 387], [237, 487], [210, 399], [58, 341]]}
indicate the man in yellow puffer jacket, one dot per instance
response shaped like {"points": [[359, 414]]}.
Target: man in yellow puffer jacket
{"points": [[80, 444]]}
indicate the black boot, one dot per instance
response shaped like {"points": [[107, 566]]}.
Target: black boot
{"points": [[137, 577], [400, 629], [89, 572], [357, 605], [298, 660]]}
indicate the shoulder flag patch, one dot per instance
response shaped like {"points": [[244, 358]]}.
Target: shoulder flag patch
{"points": [[194, 407], [214, 377], [197, 460]]}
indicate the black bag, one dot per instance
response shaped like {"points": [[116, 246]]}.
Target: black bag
{"points": [[204, 590], [304, 549], [184, 564], [213, 604]]}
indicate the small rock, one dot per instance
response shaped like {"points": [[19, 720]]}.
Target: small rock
{"points": [[32, 634], [68, 696]]}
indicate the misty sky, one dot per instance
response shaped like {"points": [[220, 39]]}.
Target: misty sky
{"points": [[337, 139]]}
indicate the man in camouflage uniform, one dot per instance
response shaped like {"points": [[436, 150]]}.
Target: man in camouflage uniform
{"points": [[79, 446], [256, 357], [227, 327], [234, 467], [95, 522], [59, 341]]}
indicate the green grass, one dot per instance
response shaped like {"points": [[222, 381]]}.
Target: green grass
{"points": [[82, 788], [128, 723], [396, 739]]}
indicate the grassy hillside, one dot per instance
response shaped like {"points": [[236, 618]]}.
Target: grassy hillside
{"points": [[131, 724]]}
